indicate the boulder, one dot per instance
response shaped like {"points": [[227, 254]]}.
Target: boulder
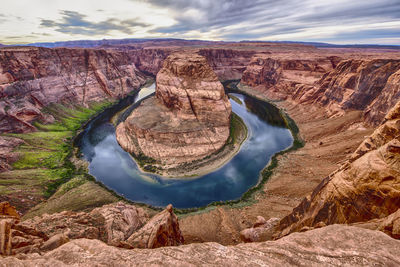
{"points": [[162, 230]]}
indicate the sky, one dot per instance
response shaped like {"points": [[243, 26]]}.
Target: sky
{"points": [[332, 21]]}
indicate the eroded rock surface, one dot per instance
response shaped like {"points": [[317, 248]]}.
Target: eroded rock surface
{"points": [[33, 78], [187, 120], [117, 224], [111, 223], [161, 231], [334, 245], [371, 86], [364, 188]]}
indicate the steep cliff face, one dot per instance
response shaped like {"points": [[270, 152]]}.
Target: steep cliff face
{"points": [[228, 64], [188, 119], [33, 78], [149, 60], [277, 77], [262, 70], [368, 85], [364, 188]]}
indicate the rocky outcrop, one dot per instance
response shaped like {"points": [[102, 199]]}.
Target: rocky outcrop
{"points": [[161, 231], [5, 237], [6, 210], [187, 120], [228, 64], [277, 77], [390, 225], [371, 86], [33, 78], [262, 70], [117, 224], [329, 246], [7, 156], [262, 230], [111, 223], [364, 188]]}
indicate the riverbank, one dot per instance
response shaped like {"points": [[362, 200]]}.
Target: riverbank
{"points": [[43, 162], [328, 141]]}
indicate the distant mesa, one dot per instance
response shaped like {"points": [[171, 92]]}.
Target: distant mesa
{"points": [[187, 119]]}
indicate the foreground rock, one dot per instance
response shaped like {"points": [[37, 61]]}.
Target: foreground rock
{"points": [[161, 231], [329, 246], [187, 120], [262, 230], [366, 187], [116, 224]]}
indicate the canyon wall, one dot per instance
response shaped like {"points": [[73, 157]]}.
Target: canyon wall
{"points": [[228, 64], [369, 85], [366, 187], [33, 78], [276, 75]]}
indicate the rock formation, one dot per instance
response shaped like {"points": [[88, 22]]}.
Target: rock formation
{"points": [[334, 245], [262, 230], [117, 224], [228, 64], [32, 78], [111, 223], [364, 188], [368, 85], [187, 120], [161, 231], [276, 77]]}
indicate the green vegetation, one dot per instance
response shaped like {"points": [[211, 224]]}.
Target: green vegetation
{"points": [[236, 99], [44, 163], [237, 130], [45, 168]]}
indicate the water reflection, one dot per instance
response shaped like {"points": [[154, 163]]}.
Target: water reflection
{"points": [[115, 168]]}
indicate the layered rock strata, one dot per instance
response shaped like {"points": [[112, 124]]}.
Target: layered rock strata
{"points": [[371, 86], [334, 245], [117, 224], [276, 77], [33, 78], [188, 119], [366, 187]]}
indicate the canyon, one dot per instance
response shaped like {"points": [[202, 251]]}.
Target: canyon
{"points": [[320, 203]]}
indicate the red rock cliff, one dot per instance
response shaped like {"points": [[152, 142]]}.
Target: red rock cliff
{"points": [[366, 187], [32, 78]]}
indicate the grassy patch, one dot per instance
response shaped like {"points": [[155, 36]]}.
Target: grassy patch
{"points": [[236, 99], [44, 164]]}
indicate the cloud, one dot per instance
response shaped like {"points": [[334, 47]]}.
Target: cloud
{"points": [[263, 19], [76, 23]]}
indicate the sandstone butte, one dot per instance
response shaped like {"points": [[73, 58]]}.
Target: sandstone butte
{"points": [[188, 119]]}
